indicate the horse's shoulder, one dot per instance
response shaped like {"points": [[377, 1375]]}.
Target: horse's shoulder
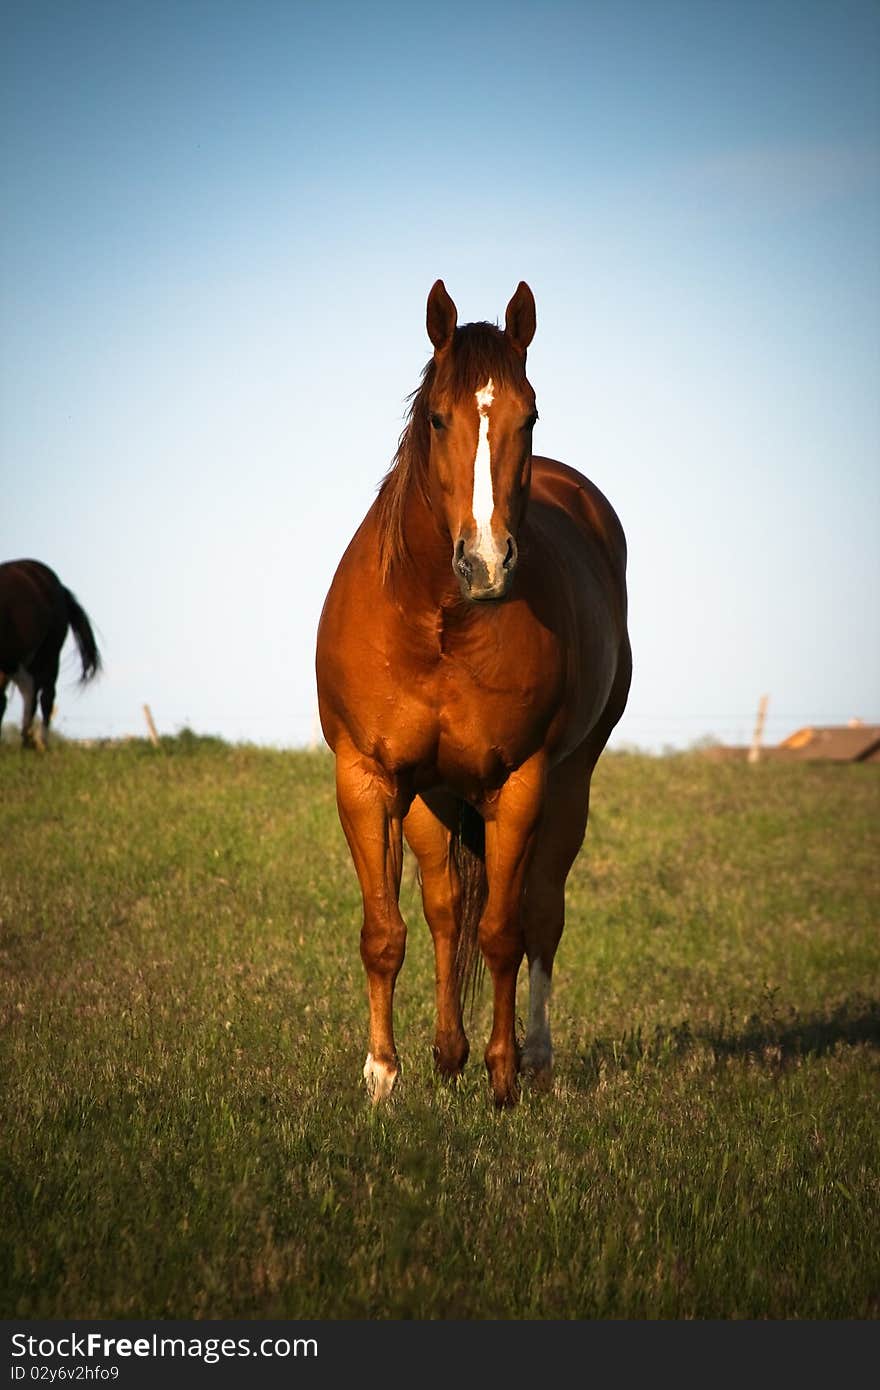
{"points": [[558, 484]]}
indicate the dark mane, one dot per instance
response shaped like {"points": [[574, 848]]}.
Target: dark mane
{"points": [[478, 351]]}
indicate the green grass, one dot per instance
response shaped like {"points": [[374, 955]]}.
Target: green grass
{"points": [[184, 1129]]}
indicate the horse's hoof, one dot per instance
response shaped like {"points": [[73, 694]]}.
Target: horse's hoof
{"points": [[539, 1078], [447, 1073], [536, 1067], [505, 1088], [380, 1078], [503, 1067], [449, 1060]]}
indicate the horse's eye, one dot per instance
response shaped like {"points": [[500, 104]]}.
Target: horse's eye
{"points": [[437, 422], [531, 421]]}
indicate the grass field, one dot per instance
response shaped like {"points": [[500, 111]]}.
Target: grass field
{"points": [[184, 1128]]}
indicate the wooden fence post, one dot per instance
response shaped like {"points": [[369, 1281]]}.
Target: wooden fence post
{"points": [[151, 728], [755, 750]]}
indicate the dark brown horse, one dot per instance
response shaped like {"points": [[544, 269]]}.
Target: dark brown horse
{"points": [[472, 660], [35, 613]]}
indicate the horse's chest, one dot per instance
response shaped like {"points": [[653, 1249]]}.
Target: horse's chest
{"points": [[462, 706], [477, 749], [486, 717]]}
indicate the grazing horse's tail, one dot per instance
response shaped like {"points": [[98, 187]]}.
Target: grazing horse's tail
{"points": [[85, 638], [469, 850]]}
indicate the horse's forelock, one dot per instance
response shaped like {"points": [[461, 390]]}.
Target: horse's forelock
{"points": [[479, 351]]}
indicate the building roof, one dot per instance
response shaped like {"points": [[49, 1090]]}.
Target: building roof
{"points": [[839, 743]]}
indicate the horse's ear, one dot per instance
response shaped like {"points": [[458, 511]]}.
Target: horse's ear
{"points": [[442, 317], [519, 321]]}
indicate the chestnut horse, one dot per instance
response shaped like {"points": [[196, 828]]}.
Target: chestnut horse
{"points": [[472, 660], [35, 613]]}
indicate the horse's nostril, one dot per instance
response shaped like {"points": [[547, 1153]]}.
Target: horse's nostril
{"points": [[510, 558], [460, 563]]}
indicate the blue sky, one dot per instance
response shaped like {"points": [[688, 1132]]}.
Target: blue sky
{"points": [[221, 222]]}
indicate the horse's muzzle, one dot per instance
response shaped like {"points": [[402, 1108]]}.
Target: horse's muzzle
{"points": [[485, 573]]}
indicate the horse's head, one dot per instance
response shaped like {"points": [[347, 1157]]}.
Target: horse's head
{"points": [[481, 410]]}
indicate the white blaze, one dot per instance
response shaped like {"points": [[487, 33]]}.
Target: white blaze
{"points": [[484, 499]]}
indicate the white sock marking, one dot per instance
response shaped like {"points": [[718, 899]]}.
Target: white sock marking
{"points": [[380, 1078], [538, 1048]]}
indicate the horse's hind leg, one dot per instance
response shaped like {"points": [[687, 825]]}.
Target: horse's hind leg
{"points": [[560, 837], [47, 703], [28, 687], [4, 679], [428, 829], [47, 696]]}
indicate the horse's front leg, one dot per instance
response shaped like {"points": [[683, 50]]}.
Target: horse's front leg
{"points": [[427, 830], [511, 824], [371, 809]]}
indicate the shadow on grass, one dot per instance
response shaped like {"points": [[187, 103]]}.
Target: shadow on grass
{"points": [[769, 1038]]}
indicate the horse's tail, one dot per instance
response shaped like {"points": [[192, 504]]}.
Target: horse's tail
{"points": [[85, 638], [469, 851]]}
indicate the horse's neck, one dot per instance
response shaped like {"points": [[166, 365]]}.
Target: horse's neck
{"points": [[425, 571]]}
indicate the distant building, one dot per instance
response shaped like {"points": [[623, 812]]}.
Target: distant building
{"points": [[854, 742], [837, 743]]}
